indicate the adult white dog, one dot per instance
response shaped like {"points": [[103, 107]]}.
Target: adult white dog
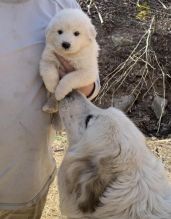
{"points": [[107, 171], [71, 35]]}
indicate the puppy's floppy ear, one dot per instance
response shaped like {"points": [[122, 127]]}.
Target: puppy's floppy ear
{"points": [[88, 181], [47, 32], [92, 32], [49, 27]]}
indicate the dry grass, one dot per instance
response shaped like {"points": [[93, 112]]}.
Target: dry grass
{"points": [[51, 210], [162, 149]]}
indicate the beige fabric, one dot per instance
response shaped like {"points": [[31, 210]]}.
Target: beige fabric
{"points": [[13, 1], [26, 163], [96, 90], [32, 212]]}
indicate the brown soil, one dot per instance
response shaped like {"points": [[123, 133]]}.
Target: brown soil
{"points": [[120, 18]]}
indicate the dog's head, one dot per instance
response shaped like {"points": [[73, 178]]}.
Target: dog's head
{"points": [[70, 31], [102, 144]]}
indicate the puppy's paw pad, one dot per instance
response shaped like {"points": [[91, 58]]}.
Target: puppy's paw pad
{"points": [[48, 109]]}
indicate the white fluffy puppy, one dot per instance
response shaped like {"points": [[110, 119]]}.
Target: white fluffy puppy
{"points": [[71, 35], [107, 171]]}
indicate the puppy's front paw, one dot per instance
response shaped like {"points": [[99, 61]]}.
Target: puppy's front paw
{"points": [[51, 105], [61, 92], [51, 86]]}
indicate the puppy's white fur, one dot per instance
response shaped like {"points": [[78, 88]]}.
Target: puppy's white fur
{"points": [[108, 172], [82, 54]]}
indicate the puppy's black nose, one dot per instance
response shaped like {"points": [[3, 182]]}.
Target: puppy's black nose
{"points": [[66, 45]]}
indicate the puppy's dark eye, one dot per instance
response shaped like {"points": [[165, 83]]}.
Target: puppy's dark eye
{"points": [[60, 32], [76, 33], [88, 118]]}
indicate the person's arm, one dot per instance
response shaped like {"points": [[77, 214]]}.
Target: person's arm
{"points": [[91, 91]]}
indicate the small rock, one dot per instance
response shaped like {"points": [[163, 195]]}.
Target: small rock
{"points": [[158, 106], [123, 102], [121, 39]]}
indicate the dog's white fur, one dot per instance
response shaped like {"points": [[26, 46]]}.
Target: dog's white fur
{"points": [[82, 54], [107, 171]]}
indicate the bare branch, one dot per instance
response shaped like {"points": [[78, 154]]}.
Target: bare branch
{"points": [[164, 6]]}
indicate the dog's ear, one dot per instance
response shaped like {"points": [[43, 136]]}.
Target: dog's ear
{"points": [[50, 26], [88, 180], [47, 32], [92, 32]]}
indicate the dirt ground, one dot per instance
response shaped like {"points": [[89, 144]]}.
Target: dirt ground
{"points": [[51, 210], [120, 25]]}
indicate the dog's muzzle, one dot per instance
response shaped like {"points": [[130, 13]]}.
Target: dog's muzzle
{"points": [[73, 96], [73, 110]]}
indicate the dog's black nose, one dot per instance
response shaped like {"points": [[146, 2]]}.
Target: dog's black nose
{"points": [[72, 95], [69, 95], [66, 45]]}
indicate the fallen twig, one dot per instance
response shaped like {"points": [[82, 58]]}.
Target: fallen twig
{"points": [[164, 6], [126, 67], [59, 150], [90, 5]]}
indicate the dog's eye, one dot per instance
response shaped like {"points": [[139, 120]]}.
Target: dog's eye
{"points": [[76, 33], [88, 118], [60, 32]]}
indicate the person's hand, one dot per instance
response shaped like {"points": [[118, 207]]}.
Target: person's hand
{"points": [[67, 68]]}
